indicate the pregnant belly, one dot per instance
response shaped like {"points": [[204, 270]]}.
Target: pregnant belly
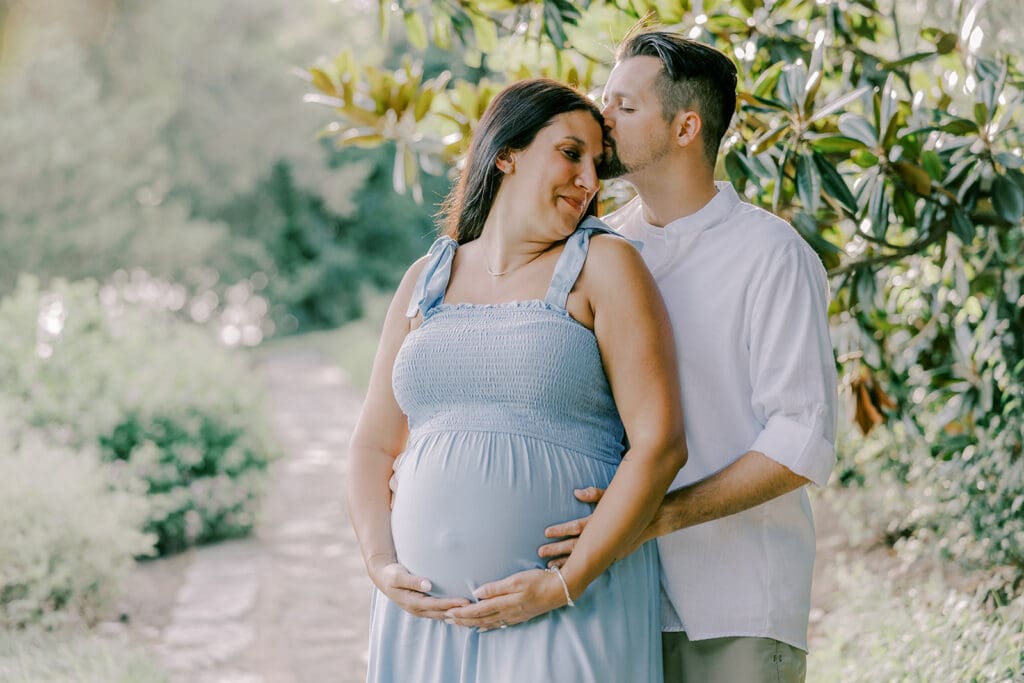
{"points": [[471, 507]]}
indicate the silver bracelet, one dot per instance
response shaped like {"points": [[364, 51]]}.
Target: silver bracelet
{"points": [[565, 586]]}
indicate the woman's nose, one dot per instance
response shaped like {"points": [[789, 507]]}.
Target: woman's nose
{"points": [[587, 178]]}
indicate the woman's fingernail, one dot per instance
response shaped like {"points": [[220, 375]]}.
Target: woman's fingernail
{"points": [[424, 585], [449, 620]]}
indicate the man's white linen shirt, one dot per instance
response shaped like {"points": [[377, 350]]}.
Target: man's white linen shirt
{"points": [[748, 301]]}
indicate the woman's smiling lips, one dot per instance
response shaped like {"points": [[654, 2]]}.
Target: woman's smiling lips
{"points": [[576, 204]]}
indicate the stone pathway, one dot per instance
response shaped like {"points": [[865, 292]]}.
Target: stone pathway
{"points": [[290, 604]]}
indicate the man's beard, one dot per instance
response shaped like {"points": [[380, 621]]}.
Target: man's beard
{"points": [[611, 166]]}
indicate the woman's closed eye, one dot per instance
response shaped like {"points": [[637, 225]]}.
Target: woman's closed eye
{"points": [[571, 154]]}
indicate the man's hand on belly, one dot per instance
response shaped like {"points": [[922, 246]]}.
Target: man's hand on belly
{"points": [[557, 553], [410, 592]]}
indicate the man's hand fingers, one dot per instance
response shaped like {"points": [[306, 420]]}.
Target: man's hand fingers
{"points": [[557, 549], [573, 528], [558, 562], [591, 494]]}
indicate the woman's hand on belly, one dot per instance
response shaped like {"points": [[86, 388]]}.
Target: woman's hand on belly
{"points": [[512, 600], [410, 592]]}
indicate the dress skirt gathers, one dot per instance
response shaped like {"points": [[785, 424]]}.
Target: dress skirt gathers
{"points": [[509, 411]]}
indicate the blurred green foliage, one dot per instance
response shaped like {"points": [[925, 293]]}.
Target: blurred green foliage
{"points": [[68, 531], [156, 396], [172, 138], [888, 133]]}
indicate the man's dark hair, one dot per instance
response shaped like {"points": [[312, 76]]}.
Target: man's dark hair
{"points": [[693, 76]]}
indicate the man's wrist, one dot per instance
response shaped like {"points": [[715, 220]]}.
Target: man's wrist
{"points": [[668, 518]]}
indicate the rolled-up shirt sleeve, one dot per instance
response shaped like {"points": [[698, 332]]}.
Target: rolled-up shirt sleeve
{"points": [[792, 366]]}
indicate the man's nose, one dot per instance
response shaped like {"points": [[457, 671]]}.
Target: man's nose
{"points": [[609, 120]]}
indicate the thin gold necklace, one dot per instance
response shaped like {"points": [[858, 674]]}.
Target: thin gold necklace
{"points": [[514, 268]]}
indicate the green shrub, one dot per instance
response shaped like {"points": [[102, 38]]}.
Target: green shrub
{"points": [[927, 633], [949, 477], [157, 395], [68, 532], [35, 657]]}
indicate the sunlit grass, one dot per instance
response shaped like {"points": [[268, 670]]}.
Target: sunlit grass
{"points": [[82, 657]]}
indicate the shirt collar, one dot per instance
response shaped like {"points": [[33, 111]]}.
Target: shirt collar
{"points": [[718, 209]]}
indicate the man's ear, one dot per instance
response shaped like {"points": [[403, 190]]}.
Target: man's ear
{"points": [[687, 126]]}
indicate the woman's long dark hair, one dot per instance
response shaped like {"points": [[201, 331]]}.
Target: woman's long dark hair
{"points": [[511, 122]]}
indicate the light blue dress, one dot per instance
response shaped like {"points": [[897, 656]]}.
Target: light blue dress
{"points": [[509, 410]]}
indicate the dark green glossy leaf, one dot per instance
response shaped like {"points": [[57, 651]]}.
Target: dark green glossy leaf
{"points": [[864, 288], [904, 204], [726, 24], [932, 164], [554, 27], [1007, 199], [909, 59], [780, 181], [769, 137], [808, 182], [962, 226], [1016, 176], [766, 82], [738, 171], [834, 185], [763, 165], [865, 159], [833, 144], [878, 211], [807, 226], [980, 113], [959, 127]]}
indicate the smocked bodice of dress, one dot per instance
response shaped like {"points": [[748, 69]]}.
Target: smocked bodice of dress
{"points": [[524, 367]]}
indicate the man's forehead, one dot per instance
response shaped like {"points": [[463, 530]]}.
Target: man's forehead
{"points": [[631, 77]]}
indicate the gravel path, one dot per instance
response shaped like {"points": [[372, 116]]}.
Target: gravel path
{"points": [[291, 603]]}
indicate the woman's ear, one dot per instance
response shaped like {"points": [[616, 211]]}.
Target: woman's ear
{"points": [[506, 162], [688, 126]]}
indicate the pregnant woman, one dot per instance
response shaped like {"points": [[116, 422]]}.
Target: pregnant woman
{"points": [[514, 357]]}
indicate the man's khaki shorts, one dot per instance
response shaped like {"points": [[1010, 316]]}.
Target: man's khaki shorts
{"points": [[731, 660]]}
